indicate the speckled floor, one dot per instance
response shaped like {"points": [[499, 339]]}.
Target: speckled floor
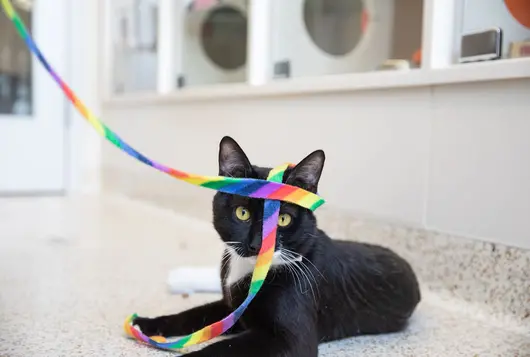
{"points": [[72, 269]]}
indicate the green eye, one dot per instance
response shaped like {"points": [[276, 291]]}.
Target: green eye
{"points": [[242, 213], [284, 220]]}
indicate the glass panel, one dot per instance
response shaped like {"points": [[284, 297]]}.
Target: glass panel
{"points": [[319, 37], [495, 29], [215, 42], [135, 37], [15, 66]]}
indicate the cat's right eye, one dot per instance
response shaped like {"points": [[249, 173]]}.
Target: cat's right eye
{"points": [[242, 213]]}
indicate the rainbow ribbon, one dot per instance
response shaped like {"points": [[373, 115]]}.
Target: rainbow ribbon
{"points": [[271, 190], [271, 212]]}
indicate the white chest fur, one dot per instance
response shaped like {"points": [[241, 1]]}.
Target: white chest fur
{"points": [[239, 267]]}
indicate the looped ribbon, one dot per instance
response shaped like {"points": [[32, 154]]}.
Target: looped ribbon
{"points": [[271, 212]]}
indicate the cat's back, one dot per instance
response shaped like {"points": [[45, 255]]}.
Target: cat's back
{"points": [[376, 270], [365, 289]]}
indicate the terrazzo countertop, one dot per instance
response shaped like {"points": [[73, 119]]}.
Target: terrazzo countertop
{"points": [[71, 270]]}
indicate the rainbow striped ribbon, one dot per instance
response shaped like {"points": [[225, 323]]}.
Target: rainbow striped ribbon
{"points": [[270, 218], [272, 191]]}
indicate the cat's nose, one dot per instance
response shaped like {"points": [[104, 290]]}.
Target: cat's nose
{"points": [[254, 246]]}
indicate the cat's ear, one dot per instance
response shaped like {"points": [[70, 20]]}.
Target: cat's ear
{"points": [[232, 160], [307, 173]]}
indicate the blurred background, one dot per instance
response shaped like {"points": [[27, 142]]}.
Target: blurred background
{"points": [[379, 84], [422, 107]]}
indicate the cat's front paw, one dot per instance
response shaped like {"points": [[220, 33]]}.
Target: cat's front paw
{"points": [[150, 327]]}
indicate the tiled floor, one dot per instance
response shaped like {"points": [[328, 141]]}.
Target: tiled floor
{"points": [[71, 270]]}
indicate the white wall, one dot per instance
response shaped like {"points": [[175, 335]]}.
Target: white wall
{"points": [[454, 158], [83, 153]]}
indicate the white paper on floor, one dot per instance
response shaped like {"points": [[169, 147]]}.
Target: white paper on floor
{"points": [[193, 280]]}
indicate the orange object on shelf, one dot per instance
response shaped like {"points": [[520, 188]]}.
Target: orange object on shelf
{"points": [[416, 57], [520, 10], [365, 20]]}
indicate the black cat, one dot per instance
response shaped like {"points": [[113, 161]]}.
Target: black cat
{"points": [[318, 290]]}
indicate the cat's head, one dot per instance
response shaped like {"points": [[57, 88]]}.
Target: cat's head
{"points": [[239, 220]]}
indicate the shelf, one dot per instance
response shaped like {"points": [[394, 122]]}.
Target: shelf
{"points": [[462, 73]]}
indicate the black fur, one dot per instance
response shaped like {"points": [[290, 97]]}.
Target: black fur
{"points": [[339, 289]]}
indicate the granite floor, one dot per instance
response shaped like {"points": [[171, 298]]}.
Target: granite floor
{"points": [[72, 269]]}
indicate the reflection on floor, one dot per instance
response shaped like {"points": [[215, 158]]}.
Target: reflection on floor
{"points": [[71, 270]]}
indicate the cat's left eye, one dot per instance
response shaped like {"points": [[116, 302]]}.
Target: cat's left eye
{"points": [[284, 220], [242, 213]]}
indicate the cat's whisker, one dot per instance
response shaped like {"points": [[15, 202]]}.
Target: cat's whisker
{"points": [[304, 266], [291, 254], [304, 270], [312, 275], [225, 263], [307, 260], [297, 270], [225, 258], [306, 281], [307, 270], [306, 276], [285, 263], [239, 251], [235, 251], [298, 281]]}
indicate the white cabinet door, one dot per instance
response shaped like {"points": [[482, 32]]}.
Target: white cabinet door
{"points": [[32, 107]]}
